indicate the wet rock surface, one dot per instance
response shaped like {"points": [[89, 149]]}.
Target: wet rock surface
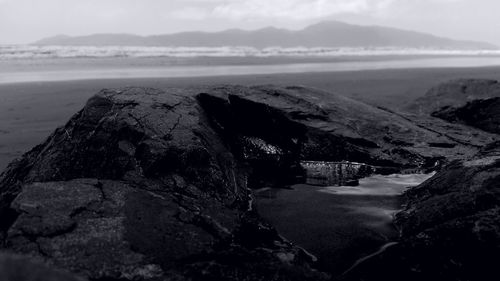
{"points": [[14, 267], [455, 93], [472, 102], [138, 186], [148, 184], [450, 227], [312, 125], [483, 114]]}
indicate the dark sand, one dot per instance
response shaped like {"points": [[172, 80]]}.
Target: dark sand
{"points": [[29, 112]]}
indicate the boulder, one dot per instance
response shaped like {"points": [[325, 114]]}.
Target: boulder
{"points": [[138, 186]]}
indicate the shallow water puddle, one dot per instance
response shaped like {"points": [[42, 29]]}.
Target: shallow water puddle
{"points": [[338, 224]]}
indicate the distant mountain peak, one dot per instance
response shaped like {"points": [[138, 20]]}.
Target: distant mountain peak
{"points": [[273, 29]]}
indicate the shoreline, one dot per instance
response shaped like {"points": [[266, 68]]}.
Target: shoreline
{"points": [[59, 70]]}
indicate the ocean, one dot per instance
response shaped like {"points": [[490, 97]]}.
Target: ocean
{"points": [[35, 52], [27, 63]]}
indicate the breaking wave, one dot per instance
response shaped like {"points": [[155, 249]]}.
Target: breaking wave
{"points": [[34, 52]]}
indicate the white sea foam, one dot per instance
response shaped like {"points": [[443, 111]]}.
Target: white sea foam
{"points": [[32, 51]]}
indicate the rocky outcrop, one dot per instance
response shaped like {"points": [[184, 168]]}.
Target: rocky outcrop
{"points": [[147, 184], [312, 125], [483, 114], [138, 186], [450, 227], [472, 102], [455, 94]]}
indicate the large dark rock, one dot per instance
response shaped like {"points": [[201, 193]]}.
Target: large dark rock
{"points": [[455, 93], [138, 186], [483, 114], [450, 227], [146, 184]]}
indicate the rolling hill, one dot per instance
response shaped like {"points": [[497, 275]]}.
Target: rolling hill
{"points": [[324, 34]]}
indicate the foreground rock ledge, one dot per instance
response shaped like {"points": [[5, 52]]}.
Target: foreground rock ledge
{"points": [[450, 228], [147, 184]]}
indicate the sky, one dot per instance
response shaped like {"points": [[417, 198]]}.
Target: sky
{"points": [[25, 21]]}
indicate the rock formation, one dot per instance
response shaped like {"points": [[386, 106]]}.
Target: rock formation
{"points": [[455, 94], [147, 184], [472, 102], [483, 114], [138, 186], [450, 228], [313, 125]]}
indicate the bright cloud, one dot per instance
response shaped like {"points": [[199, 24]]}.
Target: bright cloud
{"points": [[295, 9]]}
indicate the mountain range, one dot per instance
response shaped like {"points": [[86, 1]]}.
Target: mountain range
{"points": [[331, 34]]}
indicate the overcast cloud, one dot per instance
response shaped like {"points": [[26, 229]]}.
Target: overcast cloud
{"points": [[24, 21]]}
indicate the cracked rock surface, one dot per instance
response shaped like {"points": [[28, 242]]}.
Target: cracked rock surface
{"points": [[81, 226], [329, 127], [138, 186]]}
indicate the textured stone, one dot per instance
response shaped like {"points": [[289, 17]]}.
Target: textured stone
{"points": [[136, 186], [455, 93], [483, 114], [148, 184], [21, 268], [450, 228]]}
